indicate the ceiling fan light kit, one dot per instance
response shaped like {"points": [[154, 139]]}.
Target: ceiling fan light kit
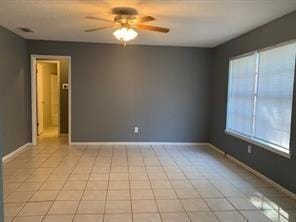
{"points": [[126, 22], [125, 34]]}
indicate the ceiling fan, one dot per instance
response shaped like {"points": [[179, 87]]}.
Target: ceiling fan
{"points": [[125, 21]]}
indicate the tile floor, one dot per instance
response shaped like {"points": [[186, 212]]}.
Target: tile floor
{"points": [[54, 182]]}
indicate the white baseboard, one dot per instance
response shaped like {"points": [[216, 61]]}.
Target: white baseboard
{"points": [[139, 143], [14, 153], [256, 173], [217, 149]]}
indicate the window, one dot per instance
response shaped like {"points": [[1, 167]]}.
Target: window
{"points": [[260, 95]]}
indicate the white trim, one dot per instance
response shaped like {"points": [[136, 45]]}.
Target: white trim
{"points": [[33, 100], [33, 93], [217, 149], [267, 146], [256, 173], [139, 143], [59, 97], [16, 152]]}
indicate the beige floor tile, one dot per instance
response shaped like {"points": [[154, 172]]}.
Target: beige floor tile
{"points": [[219, 204], [144, 206], [161, 184], [157, 176], [230, 216], [242, 204], [118, 185], [17, 197], [12, 209], [8, 219], [118, 217], [94, 195], [255, 216], [52, 185], [146, 217], [187, 193], [118, 206], [164, 194], [181, 184], [97, 185], [283, 203], [118, 195], [28, 219], [169, 206], [175, 217], [99, 176], [119, 170], [70, 195], [203, 217], [78, 177], [63, 207], [58, 218], [195, 205], [138, 176], [176, 176], [45, 195], [159, 170], [275, 216], [10, 187], [91, 207], [35, 209], [140, 184], [119, 176], [209, 192], [89, 218], [29, 186], [75, 185], [142, 194]]}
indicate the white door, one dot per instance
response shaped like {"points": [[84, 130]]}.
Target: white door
{"points": [[54, 100], [40, 101]]}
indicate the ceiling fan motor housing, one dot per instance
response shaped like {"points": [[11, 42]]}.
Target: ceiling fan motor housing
{"points": [[125, 20]]}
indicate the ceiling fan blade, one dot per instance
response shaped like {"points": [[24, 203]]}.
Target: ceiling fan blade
{"points": [[96, 18], [146, 19], [99, 28], [153, 28]]}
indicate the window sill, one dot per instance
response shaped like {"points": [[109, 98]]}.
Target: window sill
{"points": [[272, 148]]}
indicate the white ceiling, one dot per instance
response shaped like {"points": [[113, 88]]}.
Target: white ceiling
{"points": [[203, 23]]}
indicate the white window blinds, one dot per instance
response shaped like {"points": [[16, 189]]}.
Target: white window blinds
{"points": [[275, 95], [260, 95], [241, 94]]}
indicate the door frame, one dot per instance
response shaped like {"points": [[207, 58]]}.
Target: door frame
{"points": [[34, 59]]}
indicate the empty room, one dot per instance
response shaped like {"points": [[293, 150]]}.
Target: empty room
{"points": [[148, 111]]}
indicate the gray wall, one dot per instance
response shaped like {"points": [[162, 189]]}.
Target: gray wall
{"points": [[274, 166], [14, 97], [163, 90], [14, 89]]}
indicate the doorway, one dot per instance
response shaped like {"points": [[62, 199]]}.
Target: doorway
{"points": [[51, 113], [48, 98]]}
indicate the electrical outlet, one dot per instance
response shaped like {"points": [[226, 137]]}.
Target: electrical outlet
{"points": [[136, 129], [249, 149]]}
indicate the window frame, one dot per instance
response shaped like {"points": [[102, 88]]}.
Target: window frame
{"points": [[251, 139]]}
